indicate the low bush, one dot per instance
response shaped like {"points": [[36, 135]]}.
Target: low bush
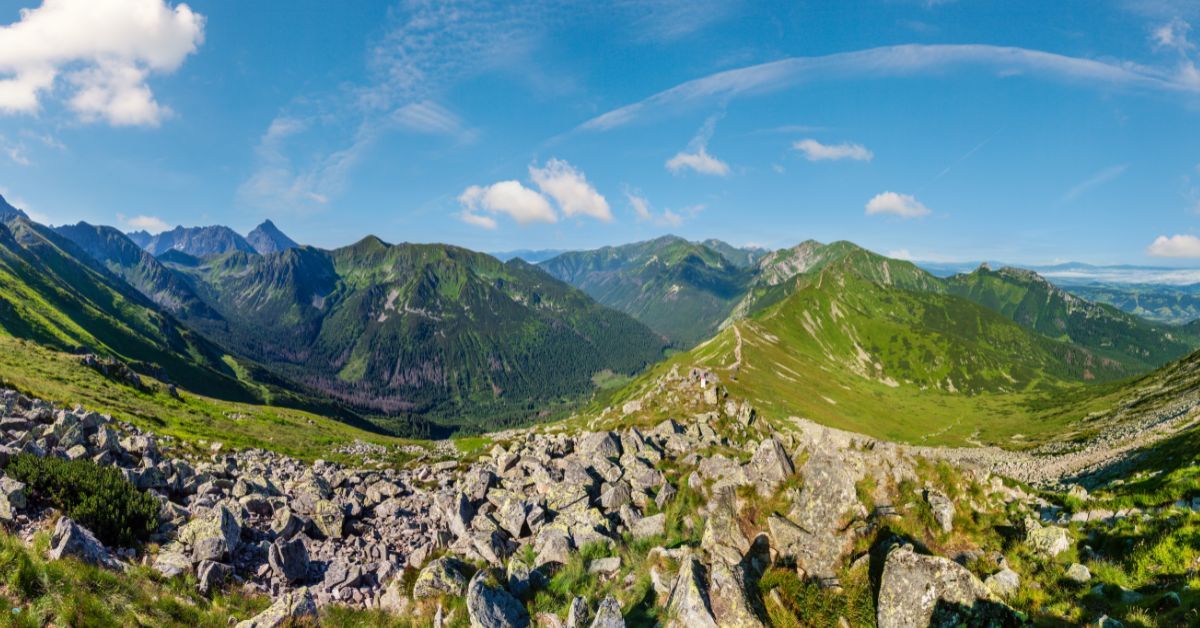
{"points": [[98, 498]]}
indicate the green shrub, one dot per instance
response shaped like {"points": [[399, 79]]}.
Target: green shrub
{"points": [[98, 498]]}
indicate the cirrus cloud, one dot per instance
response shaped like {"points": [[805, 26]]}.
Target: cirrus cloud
{"points": [[105, 50], [816, 151], [902, 205], [1178, 246]]}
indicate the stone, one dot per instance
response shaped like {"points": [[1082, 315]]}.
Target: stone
{"points": [[1049, 541], [214, 536], [769, 467], [666, 495], [520, 578], [75, 541], [12, 497], [211, 575], [289, 560], [285, 524], [647, 527], [731, 603], [599, 445], [292, 605], [605, 566], [687, 605], [577, 613], [608, 614], [490, 606], [1078, 573], [171, 561], [443, 576], [942, 509], [330, 519], [723, 538], [1003, 583], [917, 591]]}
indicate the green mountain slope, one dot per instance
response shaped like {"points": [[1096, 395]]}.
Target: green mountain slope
{"points": [[678, 288], [1036, 304], [55, 294], [1175, 305], [421, 330]]}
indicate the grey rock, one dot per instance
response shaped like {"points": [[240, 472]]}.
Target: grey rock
{"points": [[12, 497], [1078, 573], [490, 606], [942, 508], [75, 541], [443, 576], [577, 614], [605, 566], [292, 605], [214, 536], [608, 614], [731, 602], [289, 560], [917, 591], [688, 605], [211, 575], [1003, 583], [1049, 541], [769, 467], [647, 527]]}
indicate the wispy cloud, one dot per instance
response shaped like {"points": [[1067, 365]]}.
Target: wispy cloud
{"points": [[816, 151], [150, 224], [902, 205], [100, 52], [901, 61], [1099, 178], [695, 157], [668, 218]]}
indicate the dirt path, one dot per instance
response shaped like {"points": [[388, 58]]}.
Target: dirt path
{"points": [[737, 350]]}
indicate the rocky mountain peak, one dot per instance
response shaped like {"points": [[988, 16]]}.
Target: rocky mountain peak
{"points": [[267, 238]]}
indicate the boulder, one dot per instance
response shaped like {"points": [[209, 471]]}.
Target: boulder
{"points": [[75, 541], [917, 591], [214, 536], [490, 606], [172, 561], [443, 576], [292, 605], [1049, 541], [769, 467], [942, 509], [608, 614], [723, 538], [1003, 583], [289, 560], [1078, 573], [731, 602], [687, 605], [647, 527], [599, 445], [577, 614], [211, 575], [605, 566], [329, 518], [12, 497]]}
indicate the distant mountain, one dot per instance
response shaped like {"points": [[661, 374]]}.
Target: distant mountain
{"points": [[55, 294], [744, 257], [199, 241], [533, 256], [267, 238], [1173, 305], [680, 289], [421, 330], [1033, 302], [120, 255], [140, 238]]}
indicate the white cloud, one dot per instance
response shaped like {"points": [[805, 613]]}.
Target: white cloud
{"points": [[1175, 246], [1173, 35], [902, 205], [901, 254], [816, 151], [902, 61], [509, 198], [150, 224], [640, 206], [104, 49], [570, 189], [278, 183], [696, 156], [1099, 178], [431, 118], [699, 161]]}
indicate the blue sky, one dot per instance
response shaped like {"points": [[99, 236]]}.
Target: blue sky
{"points": [[940, 130]]}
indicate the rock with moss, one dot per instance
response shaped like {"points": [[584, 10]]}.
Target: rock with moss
{"points": [[1049, 541], [769, 467], [216, 535], [489, 605], [443, 576], [942, 509], [329, 518], [12, 497], [688, 605], [917, 591], [293, 605], [608, 614]]}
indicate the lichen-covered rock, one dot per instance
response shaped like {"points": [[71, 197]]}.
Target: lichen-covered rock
{"points": [[490, 606], [12, 497], [1078, 573], [731, 603], [329, 518], [723, 538], [608, 614], [688, 605], [1003, 583], [942, 509], [211, 575], [1049, 541], [171, 561], [647, 527], [917, 591], [443, 576], [214, 536], [289, 560], [769, 467], [290, 606]]}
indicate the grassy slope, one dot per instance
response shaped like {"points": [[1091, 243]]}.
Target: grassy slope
{"points": [[56, 376]]}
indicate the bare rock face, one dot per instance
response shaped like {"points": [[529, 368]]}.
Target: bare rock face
{"points": [[917, 591], [490, 606], [73, 540], [731, 603]]}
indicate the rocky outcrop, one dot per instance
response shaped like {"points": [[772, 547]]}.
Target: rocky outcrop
{"points": [[917, 591], [71, 540]]}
